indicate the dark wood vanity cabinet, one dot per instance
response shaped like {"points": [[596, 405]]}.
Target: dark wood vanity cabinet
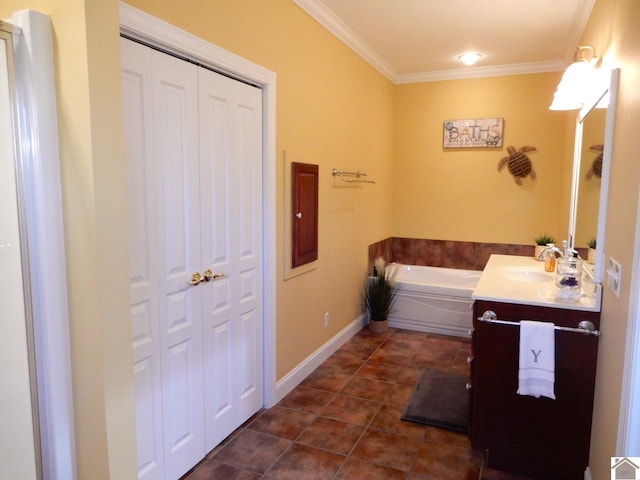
{"points": [[538, 438]]}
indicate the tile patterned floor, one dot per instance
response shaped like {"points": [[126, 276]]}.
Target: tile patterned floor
{"points": [[343, 421]]}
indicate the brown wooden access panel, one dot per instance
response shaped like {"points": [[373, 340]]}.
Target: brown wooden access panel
{"points": [[304, 213]]}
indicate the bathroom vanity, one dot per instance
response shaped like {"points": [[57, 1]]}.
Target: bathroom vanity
{"points": [[538, 438]]}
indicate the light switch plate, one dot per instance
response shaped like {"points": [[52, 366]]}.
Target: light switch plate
{"points": [[613, 276]]}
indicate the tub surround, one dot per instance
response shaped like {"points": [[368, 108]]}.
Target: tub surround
{"points": [[442, 253], [522, 280]]}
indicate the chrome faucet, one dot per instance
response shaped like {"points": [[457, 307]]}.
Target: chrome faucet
{"points": [[550, 249], [567, 251]]}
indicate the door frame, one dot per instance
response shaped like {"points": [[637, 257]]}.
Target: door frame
{"points": [[38, 180], [628, 441], [146, 28]]}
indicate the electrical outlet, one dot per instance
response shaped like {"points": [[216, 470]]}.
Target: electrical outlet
{"points": [[614, 276], [326, 320]]}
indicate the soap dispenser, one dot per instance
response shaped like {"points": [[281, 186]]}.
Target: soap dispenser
{"points": [[569, 276], [550, 258]]}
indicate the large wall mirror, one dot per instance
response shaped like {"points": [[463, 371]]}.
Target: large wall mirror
{"points": [[590, 177], [592, 153]]}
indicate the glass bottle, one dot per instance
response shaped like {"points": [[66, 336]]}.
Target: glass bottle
{"points": [[550, 259], [569, 277]]}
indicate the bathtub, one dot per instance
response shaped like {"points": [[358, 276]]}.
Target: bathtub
{"points": [[433, 299]]}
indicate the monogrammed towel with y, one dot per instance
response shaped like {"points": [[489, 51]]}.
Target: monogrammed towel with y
{"points": [[536, 376]]}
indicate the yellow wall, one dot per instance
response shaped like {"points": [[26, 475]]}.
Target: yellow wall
{"points": [[613, 31], [458, 194]]}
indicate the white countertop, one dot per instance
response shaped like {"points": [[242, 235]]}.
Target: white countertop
{"points": [[530, 285]]}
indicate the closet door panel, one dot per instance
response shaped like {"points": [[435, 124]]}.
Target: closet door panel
{"points": [[175, 105], [248, 278], [141, 211], [233, 391], [248, 140], [250, 373], [218, 220], [220, 411], [215, 170], [217, 191]]}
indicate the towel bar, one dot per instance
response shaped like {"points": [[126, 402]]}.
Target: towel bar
{"points": [[585, 327], [351, 177]]}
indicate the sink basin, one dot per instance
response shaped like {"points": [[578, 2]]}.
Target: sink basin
{"points": [[526, 274]]}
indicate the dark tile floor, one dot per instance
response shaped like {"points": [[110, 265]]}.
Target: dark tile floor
{"points": [[343, 421]]}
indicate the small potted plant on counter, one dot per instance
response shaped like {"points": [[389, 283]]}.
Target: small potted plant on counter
{"points": [[591, 255], [541, 243], [379, 295]]}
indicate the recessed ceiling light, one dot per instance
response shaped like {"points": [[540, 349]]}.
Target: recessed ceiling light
{"points": [[469, 58]]}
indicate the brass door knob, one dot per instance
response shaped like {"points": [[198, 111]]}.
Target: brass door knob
{"points": [[206, 276]]}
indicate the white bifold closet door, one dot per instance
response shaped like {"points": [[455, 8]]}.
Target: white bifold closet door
{"points": [[193, 142]]}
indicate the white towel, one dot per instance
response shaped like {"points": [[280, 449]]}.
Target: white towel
{"points": [[536, 376]]}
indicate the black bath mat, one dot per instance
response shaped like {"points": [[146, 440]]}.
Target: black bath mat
{"points": [[440, 399]]}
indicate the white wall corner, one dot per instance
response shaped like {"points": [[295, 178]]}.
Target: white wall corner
{"points": [[38, 132]]}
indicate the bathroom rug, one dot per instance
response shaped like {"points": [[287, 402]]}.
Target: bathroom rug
{"points": [[440, 399]]}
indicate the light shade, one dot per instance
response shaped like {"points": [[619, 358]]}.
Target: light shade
{"points": [[469, 58], [576, 83]]}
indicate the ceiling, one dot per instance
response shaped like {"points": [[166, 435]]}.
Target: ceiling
{"points": [[420, 40]]}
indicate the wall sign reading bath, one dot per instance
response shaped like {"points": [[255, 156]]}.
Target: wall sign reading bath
{"points": [[477, 133]]}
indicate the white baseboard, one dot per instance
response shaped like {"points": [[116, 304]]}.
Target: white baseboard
{"points": [[587, 474], [313, 361]]}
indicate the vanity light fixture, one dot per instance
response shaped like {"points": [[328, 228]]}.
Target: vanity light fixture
{"points": [[469, 58], [575, 85]]}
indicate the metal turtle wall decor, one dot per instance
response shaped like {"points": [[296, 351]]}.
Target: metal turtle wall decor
{"points": [[518, 163], [596, 166]]}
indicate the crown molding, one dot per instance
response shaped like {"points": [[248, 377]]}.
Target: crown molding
{"points": [[479, 72], [331, 22]]}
